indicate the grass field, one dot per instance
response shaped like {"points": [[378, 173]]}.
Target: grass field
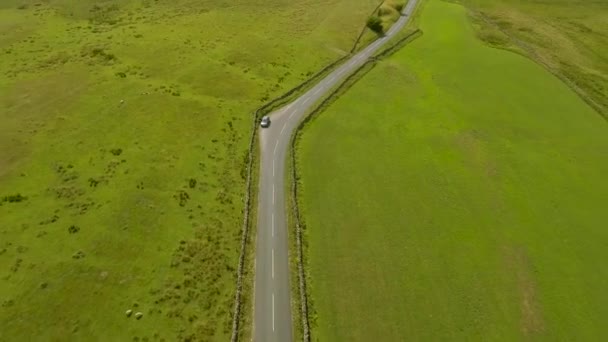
{"points": [[123, 130], [457, 192], [568, 37]]}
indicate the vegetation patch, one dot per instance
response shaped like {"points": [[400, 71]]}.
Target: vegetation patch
{"points": [[14, 198], [566, 37], [116, 151], [374, 23], [387, 13]]}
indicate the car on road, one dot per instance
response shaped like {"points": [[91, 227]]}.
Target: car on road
{"points": [[265, 121]]}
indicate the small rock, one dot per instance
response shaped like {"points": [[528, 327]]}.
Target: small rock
{"points": [[129, 312], [139, 315]]}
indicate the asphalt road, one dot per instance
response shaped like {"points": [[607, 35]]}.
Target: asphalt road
{"points": [[272, 301]]}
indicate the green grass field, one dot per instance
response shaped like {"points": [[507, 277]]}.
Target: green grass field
{"points": [[125, 124], [457, 192], [568, 37]]}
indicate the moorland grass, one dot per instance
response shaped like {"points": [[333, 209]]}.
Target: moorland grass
{"points": [[568, 37], [123, 130], [457, 192]]}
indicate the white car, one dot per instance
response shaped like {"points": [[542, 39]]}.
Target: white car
{"points": [[265, 122]]}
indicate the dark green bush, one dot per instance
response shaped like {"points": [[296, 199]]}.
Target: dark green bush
{"points": [[14, 198], [182, 197], [374, 23]]}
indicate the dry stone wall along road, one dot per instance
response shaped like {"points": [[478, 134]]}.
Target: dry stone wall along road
{"points": [[272, 301]]}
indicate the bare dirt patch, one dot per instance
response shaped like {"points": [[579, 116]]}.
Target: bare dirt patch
{"points": [[532, 321]]}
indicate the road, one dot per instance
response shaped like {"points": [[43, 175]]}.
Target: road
{"points": [[272, 301]]}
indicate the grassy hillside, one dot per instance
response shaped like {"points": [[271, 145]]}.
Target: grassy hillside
{"points": [[457, 192], [123, 128], [568, 37]]}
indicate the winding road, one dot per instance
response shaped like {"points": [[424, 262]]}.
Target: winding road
{"points": [[272, 301]]}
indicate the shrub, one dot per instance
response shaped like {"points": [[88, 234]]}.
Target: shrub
{"points": [[374, 23], [182, 197], [14, 198], [78, 255], [99, 53], [108, 57]]}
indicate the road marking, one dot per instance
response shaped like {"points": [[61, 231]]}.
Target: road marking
{"points": [[273, 311], [273, 168], [282, 129], [317, 91], [306, 101], [286, 108], [272, 193], [331, 79], [272, 224], [275, 147], [273, 263]]}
